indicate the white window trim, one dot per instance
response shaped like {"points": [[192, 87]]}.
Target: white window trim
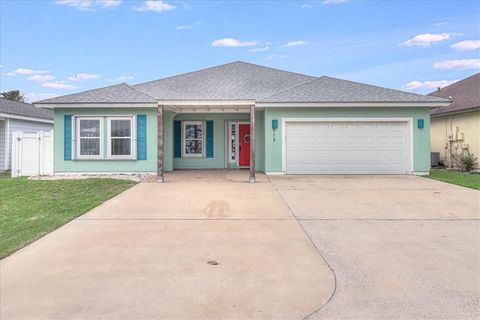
{"points": [[77, 139], [193, 155], [133, 139]]}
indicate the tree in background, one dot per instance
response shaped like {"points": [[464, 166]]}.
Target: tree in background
{"points": [[13, 95]]}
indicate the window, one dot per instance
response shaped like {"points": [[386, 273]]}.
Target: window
{"points": [[120, 138], [89, 138], [192, 138]]}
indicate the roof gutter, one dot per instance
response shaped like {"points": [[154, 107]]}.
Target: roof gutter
{"points": [[350, 104]]}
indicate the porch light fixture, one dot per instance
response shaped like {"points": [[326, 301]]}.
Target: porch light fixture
{"points": [[420, 123]]}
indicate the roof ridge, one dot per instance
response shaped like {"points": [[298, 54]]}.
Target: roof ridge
{"points": [[384, 88], [218, 66], [185, 73], [291, 88], [89, 90]]}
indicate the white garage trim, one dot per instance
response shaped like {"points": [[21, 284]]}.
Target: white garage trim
{"points": [[408, 121]]}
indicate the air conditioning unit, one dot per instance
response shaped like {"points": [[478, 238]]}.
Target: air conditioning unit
{"points": [[434, 159]]}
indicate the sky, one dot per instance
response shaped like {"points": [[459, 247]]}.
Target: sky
{"points": [[58, 47]]}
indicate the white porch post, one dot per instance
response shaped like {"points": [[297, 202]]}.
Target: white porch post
{"points": [[160, 167], [252, 144]]}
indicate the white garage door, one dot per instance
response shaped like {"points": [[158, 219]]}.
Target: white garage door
{"points": [[347, 148]]}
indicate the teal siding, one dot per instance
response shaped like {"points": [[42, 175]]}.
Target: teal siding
{"points": [[61, 141]]}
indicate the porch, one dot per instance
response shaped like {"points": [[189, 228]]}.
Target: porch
{"points": [[209, 135]]}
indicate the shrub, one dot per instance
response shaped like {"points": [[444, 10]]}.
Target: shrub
{"points": [[468, 162]]}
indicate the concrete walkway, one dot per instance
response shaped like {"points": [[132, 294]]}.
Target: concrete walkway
{"points": [[210, 248]]}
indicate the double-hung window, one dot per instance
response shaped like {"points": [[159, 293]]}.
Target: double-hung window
{"points": [[193, 139], [121, 138], [89, 132]]}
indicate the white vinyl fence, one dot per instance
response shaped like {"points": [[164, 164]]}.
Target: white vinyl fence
{"points": [[32, 153]]}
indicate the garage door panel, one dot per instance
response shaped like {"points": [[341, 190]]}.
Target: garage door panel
{"points": [[347, 148]]}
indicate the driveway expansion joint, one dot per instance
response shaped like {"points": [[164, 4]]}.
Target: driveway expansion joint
{"points": [[316, 248]]}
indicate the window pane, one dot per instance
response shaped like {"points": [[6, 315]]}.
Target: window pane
{"points": [[90, 128], [120, 128], [193, 131], [120, 147], [90, 147], [193, 147]]}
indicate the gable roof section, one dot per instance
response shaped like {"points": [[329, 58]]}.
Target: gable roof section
{"points": [[327, 89], [118, 93], [465, 95], [232, 81], [23, 109]]}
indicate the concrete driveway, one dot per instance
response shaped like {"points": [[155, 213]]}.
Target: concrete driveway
{"points": [[401, 247], [207, 245]]}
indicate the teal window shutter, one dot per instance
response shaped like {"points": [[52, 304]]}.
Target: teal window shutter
{"points": [[141, 137], [209, 139], [177, 139], [67, 137]]}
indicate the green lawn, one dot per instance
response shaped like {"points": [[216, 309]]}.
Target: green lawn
{"points": [[463, 179], [30, 209]]}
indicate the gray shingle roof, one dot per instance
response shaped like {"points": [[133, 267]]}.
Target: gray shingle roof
{"points": [[24, 109], [243, 81], [465, 95], [327, 89], [119, 93], [232, 81]]}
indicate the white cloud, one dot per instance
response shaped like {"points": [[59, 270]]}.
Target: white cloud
{"points": [[32, 97], [188, 26], [413, 85], [84, 77], [41, 77], [1, 65], [120, 79], [87, 5], [230, 42], [295, 43], [25, 71], [260, 49], [276, 57], [109, 3], [466, 45], [59, 85], [439, 24], [334, 1], [306, 6], [156, 6], [10, 74], [457, 64], [427, 39], [78, 4]]}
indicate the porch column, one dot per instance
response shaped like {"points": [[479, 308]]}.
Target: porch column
{"points": [[160, 144], [252, 144]]}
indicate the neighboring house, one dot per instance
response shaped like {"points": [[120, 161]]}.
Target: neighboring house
{"points": [[243, 115], [455, 129], [19, 116]]}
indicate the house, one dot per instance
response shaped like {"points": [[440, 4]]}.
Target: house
{"points": [[19, 116], [455, 129], [242, 115]]}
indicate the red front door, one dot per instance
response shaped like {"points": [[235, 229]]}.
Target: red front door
{"points": [[244, 143]]}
